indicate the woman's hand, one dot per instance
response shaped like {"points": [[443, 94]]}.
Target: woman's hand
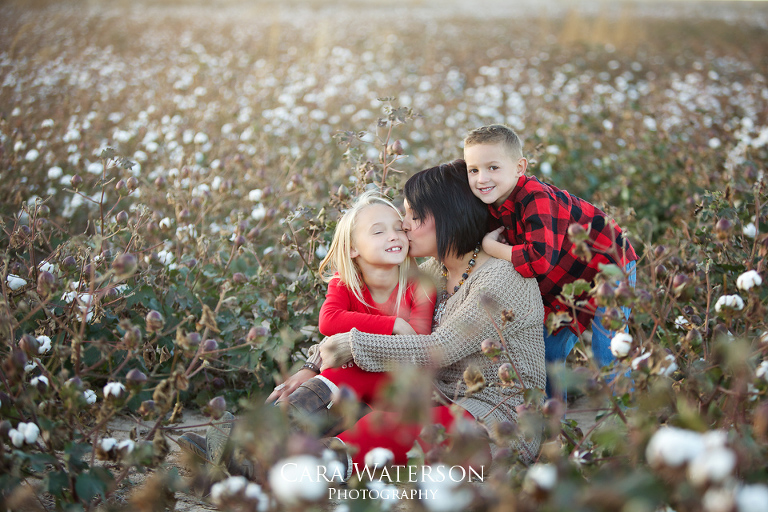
{"points": [[402, 327], [282, 391], [335, 351]]}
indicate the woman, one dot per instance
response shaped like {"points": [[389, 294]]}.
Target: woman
{"points": [[444, 220], [478, 294]]}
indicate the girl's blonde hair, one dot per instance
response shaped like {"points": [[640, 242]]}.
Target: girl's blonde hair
{"points": [[338, 259]]}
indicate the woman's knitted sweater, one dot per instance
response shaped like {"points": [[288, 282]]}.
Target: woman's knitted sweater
{"points": [[454, 345]]}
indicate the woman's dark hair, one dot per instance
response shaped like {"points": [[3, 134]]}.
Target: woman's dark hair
{"points": [[443, 192]]}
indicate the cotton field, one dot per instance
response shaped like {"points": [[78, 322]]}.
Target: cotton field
{"points": [[172, 173]]}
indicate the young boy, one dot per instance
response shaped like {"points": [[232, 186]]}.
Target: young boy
{"points": [[535, 217]]}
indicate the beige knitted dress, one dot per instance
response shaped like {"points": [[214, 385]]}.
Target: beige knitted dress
{"points": [[455, 343]]}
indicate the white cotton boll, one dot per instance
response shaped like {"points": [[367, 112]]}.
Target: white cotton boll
{"points": [[90, 396], [32, 155], [607, 124], [714, 143], [200, 138], [72, 135], [30, 432], [762, 371], [188, 136], [321, 251], [94, 168], [553, 149], [749, 230], [294, 480], [620, 344], [115, 389], [126, 445], [255, 195], [259, 212], [30, 366], [107, 443], [714, 439], [387, 494], [752, 498], [15, 282], [733, 302], [446, 493], [165, 257], [638, 361], [546, 168], [673, 447], [748, 280], [45, 344], [717, 500], [379, 457], [540, 477], [681, 322], [649, 123], [39, 379], [711, 466], [165, 223], [16, 112], [670, 367], [55, 173], [17, 438]]}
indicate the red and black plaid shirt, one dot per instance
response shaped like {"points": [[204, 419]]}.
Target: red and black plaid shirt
{"points": [[536, 217]]}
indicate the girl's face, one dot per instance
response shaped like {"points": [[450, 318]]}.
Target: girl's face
{"points": [[421, 233], [378, 237]]}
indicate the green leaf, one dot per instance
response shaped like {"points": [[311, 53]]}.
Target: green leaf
{"points": [[38, 461], [575, 289], [610, 271], [56, 483], [144, 295], [92, 483]]}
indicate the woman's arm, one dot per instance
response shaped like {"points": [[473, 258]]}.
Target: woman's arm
{"points": [[461, 331]]}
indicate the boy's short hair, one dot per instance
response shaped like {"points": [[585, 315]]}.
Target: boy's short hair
{"points": [[443, 192], [496, 134]]}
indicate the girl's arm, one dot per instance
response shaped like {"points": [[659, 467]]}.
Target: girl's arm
{"points": [[336, 315]]}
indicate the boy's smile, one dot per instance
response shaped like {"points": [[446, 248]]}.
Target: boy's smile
{"points": [[492, 172]]}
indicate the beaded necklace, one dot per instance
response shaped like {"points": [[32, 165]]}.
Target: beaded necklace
{"points": [[444, 295]]}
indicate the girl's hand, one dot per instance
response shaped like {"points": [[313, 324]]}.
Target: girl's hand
{"points": [[282, 391], [335, 351], [402, 327]]}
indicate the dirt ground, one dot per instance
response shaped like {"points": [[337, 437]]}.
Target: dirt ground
{"points": [[581, 410]]}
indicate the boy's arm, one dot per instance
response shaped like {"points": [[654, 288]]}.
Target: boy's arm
{"points": [[494, 244], [545, 224], [336, 315]]}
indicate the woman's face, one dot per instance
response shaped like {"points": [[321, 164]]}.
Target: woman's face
{"points": [[421, 234]]}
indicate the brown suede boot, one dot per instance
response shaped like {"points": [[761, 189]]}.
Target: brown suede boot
{"points": [[310, 409]]}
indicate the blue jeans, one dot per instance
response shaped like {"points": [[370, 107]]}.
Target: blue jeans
{"points": [[557, 346]]}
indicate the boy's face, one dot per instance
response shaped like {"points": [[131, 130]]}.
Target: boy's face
{"points": [[492, 172]]}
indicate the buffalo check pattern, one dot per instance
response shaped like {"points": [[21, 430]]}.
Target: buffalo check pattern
{"points": [[536, 217]]}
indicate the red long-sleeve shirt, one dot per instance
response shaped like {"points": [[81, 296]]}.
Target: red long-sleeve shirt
{"points": [[536, 217], [342, 311]]}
